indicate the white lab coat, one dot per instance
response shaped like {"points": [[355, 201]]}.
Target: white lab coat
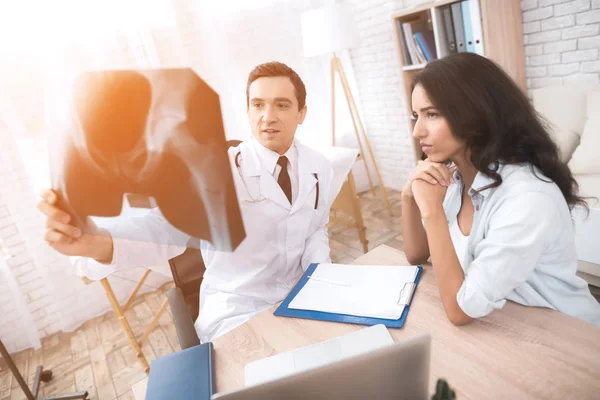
{"points": [[281, 241]]}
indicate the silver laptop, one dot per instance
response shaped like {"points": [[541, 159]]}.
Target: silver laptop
{"points": [[316, 355], [400, 371]]}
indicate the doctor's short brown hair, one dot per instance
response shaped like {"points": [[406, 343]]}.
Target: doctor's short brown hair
{"points": [[275, 69]]}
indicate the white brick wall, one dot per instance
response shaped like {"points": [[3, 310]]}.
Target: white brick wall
{"points": [[580, 31], [18, 194], [557, 22], [542, 37], [379, 84], [569, 32], [589, 43], [531, 27], [537, 14], [545, 59], [571, 7], [580, 55], [559, 47]]}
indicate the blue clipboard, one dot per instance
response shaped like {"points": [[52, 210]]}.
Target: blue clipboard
{"points": [[284, 311]]}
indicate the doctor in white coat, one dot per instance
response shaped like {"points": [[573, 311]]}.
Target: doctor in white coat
{"points": [[283, 189]]}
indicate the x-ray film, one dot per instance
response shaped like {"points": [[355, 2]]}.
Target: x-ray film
{"points": [[127, 139]]}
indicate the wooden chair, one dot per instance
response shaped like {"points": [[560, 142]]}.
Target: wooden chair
{"points": [[184, 299], [188, 269], [120, 313]]}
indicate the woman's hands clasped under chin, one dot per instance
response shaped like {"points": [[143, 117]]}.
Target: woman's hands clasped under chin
{"points": [[427, 185]]}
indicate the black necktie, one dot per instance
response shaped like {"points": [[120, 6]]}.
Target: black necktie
{"points": [[284, 178]]}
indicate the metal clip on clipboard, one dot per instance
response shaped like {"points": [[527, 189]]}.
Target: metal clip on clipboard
{"points": [[406, 294]]}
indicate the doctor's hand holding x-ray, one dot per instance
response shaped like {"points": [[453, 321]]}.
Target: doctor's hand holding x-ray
{"points": [[283, 189]]}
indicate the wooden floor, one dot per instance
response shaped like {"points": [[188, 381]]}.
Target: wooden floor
{"points": [[98, 358]]}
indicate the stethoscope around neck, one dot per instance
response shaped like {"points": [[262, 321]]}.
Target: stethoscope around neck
{"points": [[263, 198]]}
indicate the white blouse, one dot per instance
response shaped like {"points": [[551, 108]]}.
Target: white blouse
{"points": [[459, 240], [521, 246]]}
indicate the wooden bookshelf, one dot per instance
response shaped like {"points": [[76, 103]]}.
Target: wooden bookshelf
{"points": [[502, 41]]}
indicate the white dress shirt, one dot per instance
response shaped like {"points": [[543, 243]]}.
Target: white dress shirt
{"points": [[269, 159], [521, 246]]}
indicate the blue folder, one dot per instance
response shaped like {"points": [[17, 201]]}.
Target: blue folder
{"points": [[284, 311], [186, 374]]}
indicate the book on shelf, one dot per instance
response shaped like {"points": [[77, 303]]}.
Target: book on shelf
{"points": [[412, 51], [410, 43], [420, 53], [403, 44], [426, 42]]}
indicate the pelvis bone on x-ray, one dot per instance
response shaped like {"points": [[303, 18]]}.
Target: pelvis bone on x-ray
{"points": [[156, 133]]}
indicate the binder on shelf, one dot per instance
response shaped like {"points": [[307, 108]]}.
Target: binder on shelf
{"points": [[475, 16], [439, 33], [466, 13], [449, 28], [459, 30], [410, 43], [406, 296]]}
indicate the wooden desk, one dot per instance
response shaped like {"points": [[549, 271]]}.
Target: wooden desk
{"points": [[515, 353]]}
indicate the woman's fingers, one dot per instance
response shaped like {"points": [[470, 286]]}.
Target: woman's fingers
{"points": [[431, 182], [435, 173], [440, 172], [445, 172], [428, 177]]}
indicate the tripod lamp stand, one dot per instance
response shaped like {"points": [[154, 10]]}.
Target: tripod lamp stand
{"points": [[328, 30]]}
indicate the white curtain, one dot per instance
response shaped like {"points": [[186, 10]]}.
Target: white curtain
{"points": [[221, 40]]}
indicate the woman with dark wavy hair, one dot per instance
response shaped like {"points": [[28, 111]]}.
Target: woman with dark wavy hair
{"points": [[491, 204]]}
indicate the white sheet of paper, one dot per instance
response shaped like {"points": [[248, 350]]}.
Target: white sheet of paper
{"points": [[368, 291]]}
